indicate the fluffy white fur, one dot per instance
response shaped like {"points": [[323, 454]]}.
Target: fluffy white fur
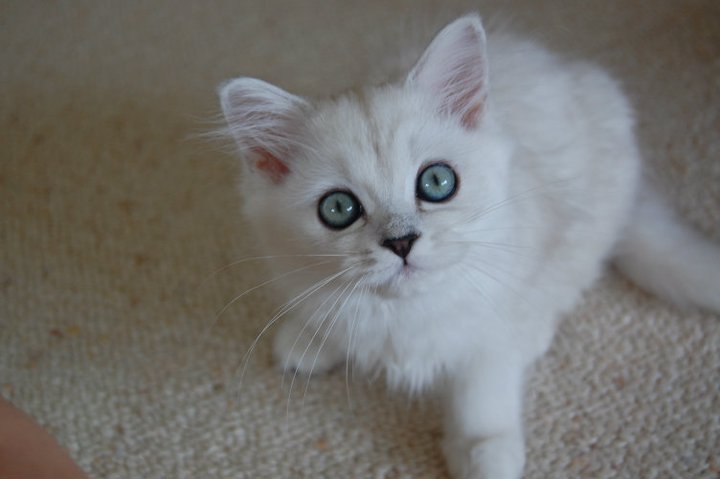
{"points": [[549, 189]]}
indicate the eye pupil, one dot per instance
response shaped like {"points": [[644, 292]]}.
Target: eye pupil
{"points": [[339, 209], [436, 183]]}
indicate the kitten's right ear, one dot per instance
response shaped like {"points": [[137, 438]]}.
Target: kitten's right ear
{"points": [[454, 70], [262, 118]]}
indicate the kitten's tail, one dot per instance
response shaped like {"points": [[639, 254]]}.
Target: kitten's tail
{"points": [[667, 258]]}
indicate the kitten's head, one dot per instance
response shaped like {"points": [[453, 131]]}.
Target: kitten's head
{"points": [[394, 177]]}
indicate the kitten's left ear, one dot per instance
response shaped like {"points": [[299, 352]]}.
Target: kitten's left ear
{"points": [[454, 69], [263, 120]]}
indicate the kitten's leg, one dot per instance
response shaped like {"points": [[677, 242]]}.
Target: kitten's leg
{"points": [[484, 437], [304, 348]]}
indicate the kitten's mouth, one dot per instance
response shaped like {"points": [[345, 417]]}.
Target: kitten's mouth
{"points": [[408, 270], [404, 270], [398, 279]]}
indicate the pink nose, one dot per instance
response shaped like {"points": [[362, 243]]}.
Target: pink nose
{"points": [[400, 246]]}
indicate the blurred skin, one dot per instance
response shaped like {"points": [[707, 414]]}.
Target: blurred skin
{"points": [[28, 452]]}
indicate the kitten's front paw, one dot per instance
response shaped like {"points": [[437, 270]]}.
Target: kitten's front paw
{"points": [[297, 349], [496, 457]]}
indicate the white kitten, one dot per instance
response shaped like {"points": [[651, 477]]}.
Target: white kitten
{"points": [[437, 229]]}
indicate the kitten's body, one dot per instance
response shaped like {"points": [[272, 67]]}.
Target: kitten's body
{"points": [[548, 173]]}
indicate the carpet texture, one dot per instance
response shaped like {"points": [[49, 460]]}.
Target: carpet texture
{"points": [[117, 217]]}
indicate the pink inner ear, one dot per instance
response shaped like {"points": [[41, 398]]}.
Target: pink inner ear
{"points": [[470, 105], [453, 69], [471, 118], [465, 91], [270, 165]]}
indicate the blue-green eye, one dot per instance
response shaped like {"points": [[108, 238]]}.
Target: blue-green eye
{"points": [[436, 183], [339, 209]]}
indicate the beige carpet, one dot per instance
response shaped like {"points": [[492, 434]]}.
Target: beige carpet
{"points": [[113, 218]]}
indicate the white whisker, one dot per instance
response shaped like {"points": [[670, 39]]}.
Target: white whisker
{"points": [[307, 322], [504, 247], [280, 256], [310, 342], [351, 334], [501, 282], [487, 297], [265, 283], [328, 332], [522, 196], [284, 310]]}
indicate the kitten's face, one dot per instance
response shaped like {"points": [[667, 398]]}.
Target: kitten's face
{"points": [[394, 181], [394, 186]]}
